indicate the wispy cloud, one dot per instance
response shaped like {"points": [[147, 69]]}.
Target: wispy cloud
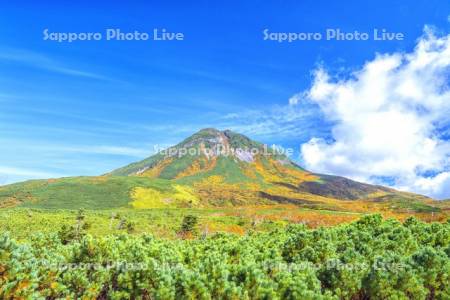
{"points": [[109, 150], [279, 122], [52, 160], [45, 62], [30, 173], [49, 147]]}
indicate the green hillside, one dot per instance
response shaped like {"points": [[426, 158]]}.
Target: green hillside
{"points": [[208, 169]]}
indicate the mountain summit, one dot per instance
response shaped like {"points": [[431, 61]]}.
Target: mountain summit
{"points": [[203, 152], [212, 168]]}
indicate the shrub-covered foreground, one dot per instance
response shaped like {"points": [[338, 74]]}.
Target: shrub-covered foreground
{"points": [[367, 259]]}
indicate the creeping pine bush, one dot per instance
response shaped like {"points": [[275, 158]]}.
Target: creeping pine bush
{"points": [[188, 226], [368, 259]]}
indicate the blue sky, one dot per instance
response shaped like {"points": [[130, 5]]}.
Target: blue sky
{"points": [[87, 107]]}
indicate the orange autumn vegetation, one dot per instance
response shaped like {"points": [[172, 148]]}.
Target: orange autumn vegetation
{"points": [[215, 191], [315, 218], [277, 172], [211, 228], [156, 170], [202, 164]]}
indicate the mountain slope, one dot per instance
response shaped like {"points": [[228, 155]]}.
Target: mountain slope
{"points": [[211, 168]]}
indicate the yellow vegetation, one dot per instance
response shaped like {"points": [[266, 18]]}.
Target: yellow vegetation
{"points": [[213, 190], [277, 172], [182, 196], [146, 198], [156, 170], [202, 164], [249, 172]]}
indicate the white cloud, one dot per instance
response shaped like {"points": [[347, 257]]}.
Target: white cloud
{"points": [[437, 185], [389, 119]]}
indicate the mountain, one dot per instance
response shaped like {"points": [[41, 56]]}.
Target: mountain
{"points": [[212, 168]]}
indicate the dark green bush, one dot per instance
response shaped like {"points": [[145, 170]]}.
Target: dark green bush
{"points": [[367, 259]]}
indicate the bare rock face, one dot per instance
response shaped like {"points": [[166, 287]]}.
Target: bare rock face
{"points": [[245, 156], [213, 143]]}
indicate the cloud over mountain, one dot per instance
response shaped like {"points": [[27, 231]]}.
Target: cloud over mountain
{"points": [[391, 120]]}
